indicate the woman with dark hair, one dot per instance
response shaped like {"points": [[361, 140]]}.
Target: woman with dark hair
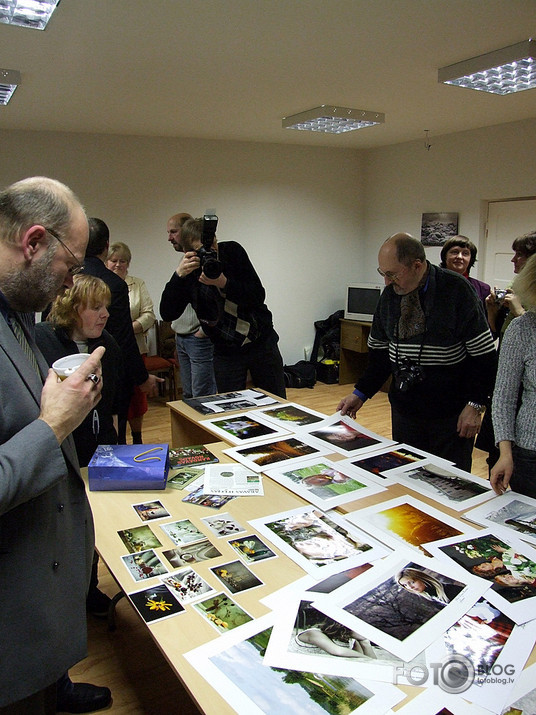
{"points": [[458, 254]]}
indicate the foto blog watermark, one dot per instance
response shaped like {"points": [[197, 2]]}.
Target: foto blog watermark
{"points": [[455, 674]]}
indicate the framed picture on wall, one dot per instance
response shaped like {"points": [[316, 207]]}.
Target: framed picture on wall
{"points": [[437, 227]]}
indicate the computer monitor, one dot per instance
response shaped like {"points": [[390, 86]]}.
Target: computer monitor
{"points": [[361, 301]]}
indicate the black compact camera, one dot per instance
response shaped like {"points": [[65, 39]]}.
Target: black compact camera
{"points": [[407, 375], [208, 257]]}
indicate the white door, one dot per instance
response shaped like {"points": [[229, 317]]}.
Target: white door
{"points": [[506, 221]]}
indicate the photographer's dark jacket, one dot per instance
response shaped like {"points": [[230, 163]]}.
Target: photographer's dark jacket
{"points": [[98, 427], [456, 352], [235, 318]]}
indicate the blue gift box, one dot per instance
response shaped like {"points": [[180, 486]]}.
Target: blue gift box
{"points": [[119, 467]]}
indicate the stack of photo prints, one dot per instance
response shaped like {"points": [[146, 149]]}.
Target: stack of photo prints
{"points": [[395, 594]]}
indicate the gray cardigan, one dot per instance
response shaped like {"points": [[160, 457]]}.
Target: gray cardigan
{"points": [[517, 369]]}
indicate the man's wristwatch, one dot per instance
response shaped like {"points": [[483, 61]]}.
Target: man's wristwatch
{"points": [[479, 408]]}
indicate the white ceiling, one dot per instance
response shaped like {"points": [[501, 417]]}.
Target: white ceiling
{"points": [[231, 69]]}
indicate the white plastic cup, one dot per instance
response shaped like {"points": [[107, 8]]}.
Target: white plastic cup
{"points": [[65, 366]]}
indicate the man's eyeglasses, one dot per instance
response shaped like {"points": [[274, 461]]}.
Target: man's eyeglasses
{"points": [[390, 276], [78, 267]]}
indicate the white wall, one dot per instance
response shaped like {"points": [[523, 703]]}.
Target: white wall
{"points": [[312, 219], [460, 173], [296, 210]]}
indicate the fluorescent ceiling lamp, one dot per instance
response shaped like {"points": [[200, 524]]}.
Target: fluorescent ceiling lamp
{"points": [[334, 120], [9, 79], [27, 13], [505, 71]]}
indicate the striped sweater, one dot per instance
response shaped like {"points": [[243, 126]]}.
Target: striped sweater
{"points": [[456, 352]]}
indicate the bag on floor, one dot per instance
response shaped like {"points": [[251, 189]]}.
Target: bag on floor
{"points": [[301, 374]]}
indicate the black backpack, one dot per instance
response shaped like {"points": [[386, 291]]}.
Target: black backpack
{"points": [[301, 374]]}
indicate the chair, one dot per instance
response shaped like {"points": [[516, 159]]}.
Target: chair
{"points": [[162, 365]]}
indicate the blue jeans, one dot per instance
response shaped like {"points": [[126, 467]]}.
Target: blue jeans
{"points": [[196, 365]]}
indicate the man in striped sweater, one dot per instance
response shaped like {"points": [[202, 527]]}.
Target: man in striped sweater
{"points": [[431, 335]]}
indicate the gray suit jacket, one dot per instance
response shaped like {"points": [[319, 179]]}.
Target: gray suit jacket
{"points": [[46, 536]]}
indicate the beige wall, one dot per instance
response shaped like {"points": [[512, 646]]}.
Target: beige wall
{"points": [[460, 173], [296, 210], [311, 219]]}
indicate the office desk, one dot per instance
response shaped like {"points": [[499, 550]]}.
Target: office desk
{"points": [[175, 636]]}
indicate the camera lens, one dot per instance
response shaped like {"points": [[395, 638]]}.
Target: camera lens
{"points": [[212, 268]]}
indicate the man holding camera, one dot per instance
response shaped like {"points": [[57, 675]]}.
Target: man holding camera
{"points": [[227, 295], [430, 334]]}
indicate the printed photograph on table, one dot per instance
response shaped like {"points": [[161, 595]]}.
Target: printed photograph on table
{"points": [[139, 538], [155, 604], [149, 511], [505, 562], [191, 553], [449, 486], [183, 477], [182, 532], [244, 428], [213, 501], [307, 587], [319, 542], [402, 605], [236, 577], [304, 638], [513, 511], [233, 665], [409, 522], [223, 524], [143, 565], [522, 699], [324, 483], [227, 401], [222, 612], [401, 456], [232, 480], [251, 549], [435, 701], [345, 436], [292, 416], [261, 455], [186, 585], [494, 645]]}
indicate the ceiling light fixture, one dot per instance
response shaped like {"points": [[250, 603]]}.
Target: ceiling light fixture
{"points": [[511, 69], [27, 13], [9, 79], [333, 120]]}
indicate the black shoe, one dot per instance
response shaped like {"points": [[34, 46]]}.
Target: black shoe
{"points": [[82, 698], [98, 603]]}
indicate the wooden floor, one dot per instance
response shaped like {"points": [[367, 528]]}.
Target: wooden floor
{"points": [[127, 660]]}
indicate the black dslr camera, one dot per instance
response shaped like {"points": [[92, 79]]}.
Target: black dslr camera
{"points": [[208, 257], [407, 375]]}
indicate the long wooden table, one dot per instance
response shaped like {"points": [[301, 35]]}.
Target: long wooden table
{"points": [[175, 636], [112, 511]]}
